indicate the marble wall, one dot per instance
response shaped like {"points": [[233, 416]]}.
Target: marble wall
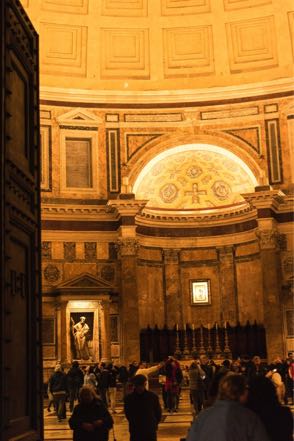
{"points": [[84, 229]]}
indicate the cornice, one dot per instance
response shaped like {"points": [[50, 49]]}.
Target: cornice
{"points": [[55, 94], [240, 238], [194, 218], [273, 199], [75, 212], [126, 207]]}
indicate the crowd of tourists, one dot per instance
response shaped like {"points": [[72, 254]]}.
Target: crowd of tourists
{"points": [[237, 400]]}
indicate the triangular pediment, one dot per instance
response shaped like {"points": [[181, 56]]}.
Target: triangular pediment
{"points": [[79, 117], [85, 281]]}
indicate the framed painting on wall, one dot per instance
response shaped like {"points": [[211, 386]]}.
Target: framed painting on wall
{"points": [[200, 292]]}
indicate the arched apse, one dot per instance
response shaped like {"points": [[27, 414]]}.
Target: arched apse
{"points": [[194, 176]]}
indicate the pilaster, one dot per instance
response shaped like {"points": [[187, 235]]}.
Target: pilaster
{"points": [[173, 307], [270, 258], [105, 330], [227, 279], [127, 250], [269, 204]]}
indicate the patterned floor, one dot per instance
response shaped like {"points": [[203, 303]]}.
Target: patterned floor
{"points": [[172, 428]]}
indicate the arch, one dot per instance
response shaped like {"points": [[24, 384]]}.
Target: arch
{"points": [[251, 159], [194, 176]]}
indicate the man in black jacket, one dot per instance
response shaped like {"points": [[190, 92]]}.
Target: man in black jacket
{"points": [[75, 380], [58, 388], [143, 411]]}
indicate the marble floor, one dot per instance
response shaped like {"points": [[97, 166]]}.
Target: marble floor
{"points": [[172, 428]]}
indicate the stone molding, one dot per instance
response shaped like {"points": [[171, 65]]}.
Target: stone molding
{"points": [[268, 198], [185, 95], [240, 212], [77, 212], [127, 207]]}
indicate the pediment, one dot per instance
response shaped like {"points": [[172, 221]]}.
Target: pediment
{"points": [[84, 281], [79, 117]]}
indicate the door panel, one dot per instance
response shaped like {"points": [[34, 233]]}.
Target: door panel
{"points": [[21, 381]]}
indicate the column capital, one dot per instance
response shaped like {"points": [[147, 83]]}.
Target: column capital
{"points": [[269, 239], [226, 251], [105, 303], [127, 246], [171, 255]]}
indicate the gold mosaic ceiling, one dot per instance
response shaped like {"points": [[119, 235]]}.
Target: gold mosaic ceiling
{"points": [[194, 179], [149, 45]]}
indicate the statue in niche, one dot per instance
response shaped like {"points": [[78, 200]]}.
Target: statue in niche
{"points": [[79, 332]]}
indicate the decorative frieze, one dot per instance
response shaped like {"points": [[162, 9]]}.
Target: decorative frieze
{"points": [[46, 250], [108, 273], [90, 250], [69, 251]]}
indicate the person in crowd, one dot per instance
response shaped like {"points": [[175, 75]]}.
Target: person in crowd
{"points": [[173, 381], [289, 394], [112, 379], [75, 380], [143, 411], [237, 367], [147, 371], [185, 372], [97, 371], [277, 381], [123, 376], [256, 368], [263, 400], [212, 392], [58, 388], [50, 398], [228, 418], [90, 378], [196, 383], [161, 381], [103, 383], [209, 370], [225, 366], [90, 420], [133, 367]]}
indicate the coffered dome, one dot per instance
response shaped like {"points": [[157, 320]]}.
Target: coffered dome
{"points": [[162, 45]]}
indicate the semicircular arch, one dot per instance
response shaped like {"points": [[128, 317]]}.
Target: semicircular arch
{"points": [[250, 158]]}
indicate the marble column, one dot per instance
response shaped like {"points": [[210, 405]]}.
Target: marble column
{"points": [[130, 332], [229, 310], [105, 330], [270, 258], [173, 306]]}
